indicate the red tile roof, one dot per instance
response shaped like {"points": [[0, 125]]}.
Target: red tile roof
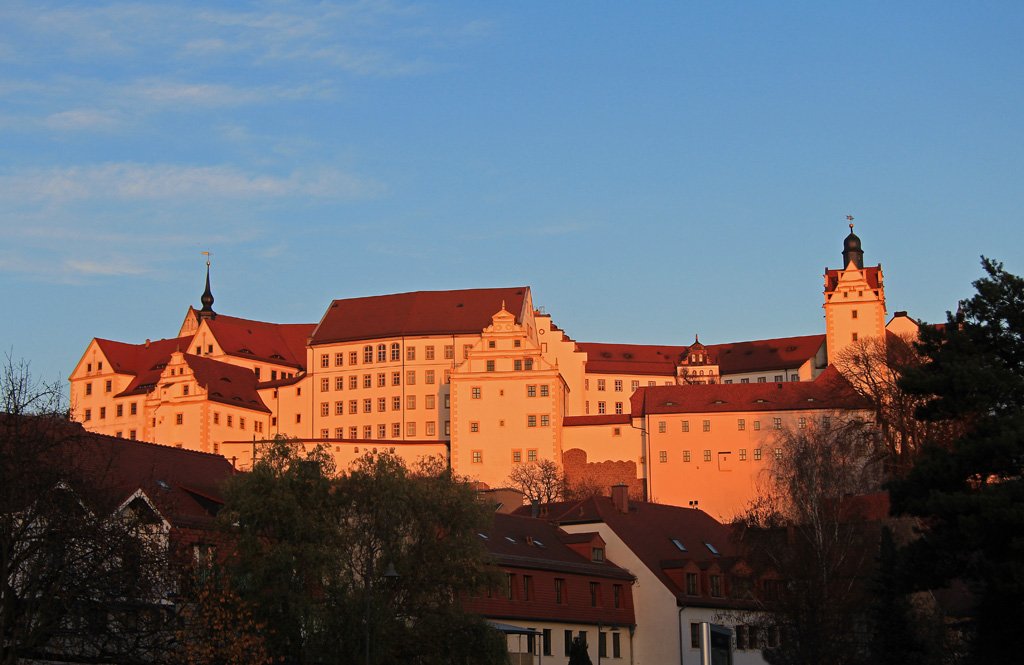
{"points": [[583, 421], [281, 343], [734, 358], [632, 358], [552, 552], [144, 361], [648, 529], [226, 383], [870, 274], [418, 313], [829, 390]]}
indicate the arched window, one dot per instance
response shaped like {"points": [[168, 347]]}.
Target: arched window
{"points": [[382, 353], [367, 354], [396, 351]]}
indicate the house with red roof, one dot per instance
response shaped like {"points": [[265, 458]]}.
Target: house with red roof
{"points": [[688, 571], [556, 586]]}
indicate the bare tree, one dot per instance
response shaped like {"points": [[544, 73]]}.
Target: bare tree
{"points": [[806, 543], [80, 566], [541, 481], [873, 367]]}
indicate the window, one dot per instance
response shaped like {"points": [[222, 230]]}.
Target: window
{"points": [[686, 425], [256, 371], [517, 364], [428, 353], [430, 402], [325, 360], [662, 426], [559, 588], [531, 455], [490, 365], [618, 408], [544, 391], [396, 351], [691, 584], [339, 359], [325, 408], [527, 586], [447, 376], [447, 428], [108, 386], [546, 642], [531, 391], [88, 389], [776, 423], [531, 421], [617, 595], [478, 457], [353, 406], [448, 401], [695, 635], [762, 379], [826, 421], [568, 642], [382, 431], [216, 418], [490, 344], [368, 431], [396, 403], [231, 420], [602, 645], [601, 407], [410, 402], [339, 383], [353, 382], [178, 419], [382, 353], [707, 455], [757, 454], [595, 593], [367, 381], [686, 455], [353, 357], [410, 378], [132, 435], [396, 430], [517, 456], [618, 385], [778, 453], [410, 429], [367, 354], [663, 456], [428, 377], [119, 409], [382, 403], [744, 380], [853, 337], [803, 422], [716, 586], [449, 352], [396, 378], [88, 414], [298, 418], [382, 380], [600, 384], [430, 428], [528, 364], [853, 314], [465, 350], [743, 454], [474, 427], [757, 425], [367, 405], [339, 432], [616, 646], [794, 377], [741, 424], [707, 425], [634, 385], [476, 393], [544, 420], [325, 434]]}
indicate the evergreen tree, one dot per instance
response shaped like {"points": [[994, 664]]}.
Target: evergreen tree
{"points": [[972, 495], [578, 652]]}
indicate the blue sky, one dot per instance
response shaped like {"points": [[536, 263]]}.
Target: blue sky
{"points": [[652, 170]]}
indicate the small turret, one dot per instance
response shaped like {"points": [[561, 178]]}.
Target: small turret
{"points": [[852, 250]]}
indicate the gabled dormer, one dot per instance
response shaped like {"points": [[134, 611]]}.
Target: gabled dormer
{"points": [[698, 365]]}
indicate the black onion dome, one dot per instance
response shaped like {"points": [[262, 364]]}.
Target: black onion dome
{"points": [[852, 250], [207, 298]]}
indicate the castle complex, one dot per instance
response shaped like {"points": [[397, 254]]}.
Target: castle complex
{"points": [[483, 378]]}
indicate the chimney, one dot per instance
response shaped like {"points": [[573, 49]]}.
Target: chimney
{"points": [[147, 342], [620, 497], [534, 507]]}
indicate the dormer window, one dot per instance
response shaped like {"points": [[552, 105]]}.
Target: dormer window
{"points": [[711, 548], [679, 545], [597, 554]]}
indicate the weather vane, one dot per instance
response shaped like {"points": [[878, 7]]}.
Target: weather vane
{"points": [[208, 255], [849, 218]]}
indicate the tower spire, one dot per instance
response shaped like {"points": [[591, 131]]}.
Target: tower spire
{"points": [[852, 250], [207, 298]]}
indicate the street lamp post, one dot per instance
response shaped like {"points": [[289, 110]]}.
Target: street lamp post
{"points": [[600, 626]]}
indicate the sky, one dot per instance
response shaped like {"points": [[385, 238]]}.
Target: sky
{"points": [[653, 171]]}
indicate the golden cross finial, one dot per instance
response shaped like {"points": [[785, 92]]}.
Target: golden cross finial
{"points": [[207, 255]]}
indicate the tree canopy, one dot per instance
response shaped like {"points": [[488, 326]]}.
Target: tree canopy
{"points": [[971, 494], [369, 563]]}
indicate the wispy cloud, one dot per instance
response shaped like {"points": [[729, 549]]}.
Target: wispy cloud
{"points": [[103, 268], [129, 181], [83, 119]]}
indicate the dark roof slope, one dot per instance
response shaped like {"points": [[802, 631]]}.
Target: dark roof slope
{"points": [[648, 530], [829, 390], [870, 274], [226, 383], [144, 361], [632, 358], [417, 313], [766, 354]]}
